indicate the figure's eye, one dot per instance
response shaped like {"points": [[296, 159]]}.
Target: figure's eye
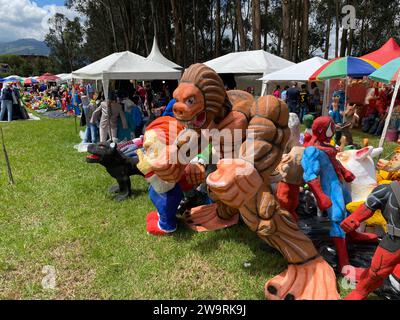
{"points": [[150, 152], [190, 101]]}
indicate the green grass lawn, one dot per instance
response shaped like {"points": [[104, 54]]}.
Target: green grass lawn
{"points": [[59, 214]]}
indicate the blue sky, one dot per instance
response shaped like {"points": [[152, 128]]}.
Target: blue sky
{"points": [[42, 3], [21, 19]]}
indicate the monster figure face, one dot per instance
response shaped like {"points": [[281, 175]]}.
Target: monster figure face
{"points": [[189, 107]]}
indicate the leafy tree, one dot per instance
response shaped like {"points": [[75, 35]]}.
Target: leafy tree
{"points": [[65, 41], [199, 30]]}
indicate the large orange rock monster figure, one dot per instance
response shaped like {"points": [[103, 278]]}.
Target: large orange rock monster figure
{"points": [[242, 184]]}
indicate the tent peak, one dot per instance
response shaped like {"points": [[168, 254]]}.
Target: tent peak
{"points": [[389, 51], [156, 56], [391, 43]]}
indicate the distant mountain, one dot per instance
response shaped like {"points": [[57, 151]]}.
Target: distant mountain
{"points": [[24, 47]]}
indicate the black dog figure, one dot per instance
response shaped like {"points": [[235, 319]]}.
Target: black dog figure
{"points": [[117, 165]]}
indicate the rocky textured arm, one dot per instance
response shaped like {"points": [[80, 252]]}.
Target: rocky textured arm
{"points": [[268, 135]]}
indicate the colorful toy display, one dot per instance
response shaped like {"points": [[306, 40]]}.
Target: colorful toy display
{"points": [[242, 185], [39, 102], [225, 157]]}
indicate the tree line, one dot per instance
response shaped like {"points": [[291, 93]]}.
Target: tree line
{"points": [[26, 65], [191, 31]]}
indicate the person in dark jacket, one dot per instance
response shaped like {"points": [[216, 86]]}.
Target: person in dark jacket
{"points": [[304, 99], [89, 107], [293, 98], [7, 98]]}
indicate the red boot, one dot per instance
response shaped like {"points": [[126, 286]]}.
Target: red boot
{"points": [[369, 282], [153, 227], [357, 237], [342, 254], [152, 216], [383, 264]]}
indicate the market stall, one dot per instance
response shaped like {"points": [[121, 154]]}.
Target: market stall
{"points": [[125, 66], [389, 73], [300, 72], [248, 67]]}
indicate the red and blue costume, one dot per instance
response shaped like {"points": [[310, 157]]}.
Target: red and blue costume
{"points": [[166, 197], [326, 176]]}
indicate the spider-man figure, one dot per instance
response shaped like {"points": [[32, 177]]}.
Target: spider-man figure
{"points": [[325, 176], [386, 260]]}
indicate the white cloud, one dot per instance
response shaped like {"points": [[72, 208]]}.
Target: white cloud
{"points": [[25, 19]]}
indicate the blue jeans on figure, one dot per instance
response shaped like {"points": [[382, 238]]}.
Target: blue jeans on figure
{"points": [[91, 133], [77, 110], [6, 104]]}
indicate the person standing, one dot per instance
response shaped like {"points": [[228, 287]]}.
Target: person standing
{"points": [[293, 98], [149, 97], [89, 107], [337, 116], [108, 113], [284, 94], [316, 98], [138, 117], [340, 92], [142, 93], [76, 101], [90, 90], [19, 111], [54, 92], [277, 92], [304, 98], [7, 98]]}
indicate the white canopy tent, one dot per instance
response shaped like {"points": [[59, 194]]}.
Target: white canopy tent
{"points": [[125, 66], [64, 77], [298, 72], [156, 56], [246, 63]]}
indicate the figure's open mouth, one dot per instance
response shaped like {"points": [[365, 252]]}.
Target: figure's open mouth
{"points": [[197, 122], [92, 158]]}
